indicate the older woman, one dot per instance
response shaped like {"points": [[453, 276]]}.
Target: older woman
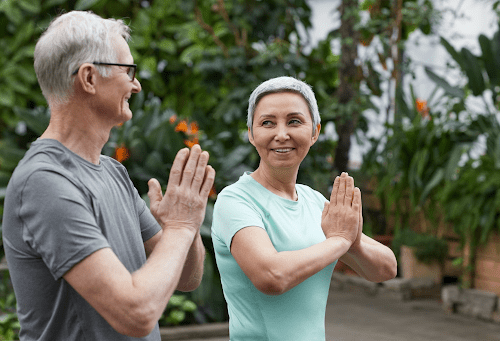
{"points": [[276, 241]]}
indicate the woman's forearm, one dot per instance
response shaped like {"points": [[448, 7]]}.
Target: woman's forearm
{"points": [[371, 260], [192, 272], [287, 269]]}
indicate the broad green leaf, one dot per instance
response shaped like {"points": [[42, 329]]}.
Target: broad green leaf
{"points": [[453, 160], [473, 71], [453, 53], [489, 59], [32, 6], [449, 89], [433, 182], [167, 45], [13, 13], [188, 306]]}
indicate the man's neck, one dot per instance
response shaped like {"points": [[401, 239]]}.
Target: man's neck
{"points": [[77, 131]]}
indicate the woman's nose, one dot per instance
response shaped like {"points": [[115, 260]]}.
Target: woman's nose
{"points": [[282, 133]]}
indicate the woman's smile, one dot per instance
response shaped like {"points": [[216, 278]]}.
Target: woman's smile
{"points": [[282, 130]]}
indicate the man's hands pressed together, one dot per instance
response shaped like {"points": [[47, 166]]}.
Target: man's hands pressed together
{"points": [[342, 216], [185, 200]]}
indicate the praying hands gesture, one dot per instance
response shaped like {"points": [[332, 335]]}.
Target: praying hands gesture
{"points": [[185, 200], [342, 215]]}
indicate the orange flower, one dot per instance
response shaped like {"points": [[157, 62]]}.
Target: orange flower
{"points": [[213, 192], [172, 119], [422, 108], [121, 153], [421, 105], [194, 128], [182, 126], [190, 143]]}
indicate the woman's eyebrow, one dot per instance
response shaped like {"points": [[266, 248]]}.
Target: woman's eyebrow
{"points": [[273, 116]]}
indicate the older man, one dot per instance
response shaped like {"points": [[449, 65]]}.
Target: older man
{"points": [[88, 260]]}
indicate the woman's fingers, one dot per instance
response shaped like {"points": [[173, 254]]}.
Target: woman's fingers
{"points": [[342, 189], [335, 189], [349, 190]]}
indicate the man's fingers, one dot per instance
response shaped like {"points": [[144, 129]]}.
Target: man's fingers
{"points": [[191, 164], [208, 181], [154, 192], [341, 191], [335, 189], [200, 172], [175, 176]]}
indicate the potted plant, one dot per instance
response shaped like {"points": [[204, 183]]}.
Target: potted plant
{"points": [[420, 255]]}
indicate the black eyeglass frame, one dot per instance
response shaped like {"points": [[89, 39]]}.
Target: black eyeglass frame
{"points": [[131, 66]]}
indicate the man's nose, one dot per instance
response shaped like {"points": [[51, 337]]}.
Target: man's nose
{"points": [[137, 86]]}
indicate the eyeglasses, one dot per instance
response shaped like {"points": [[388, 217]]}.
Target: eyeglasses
{"points": [[130, 72]]}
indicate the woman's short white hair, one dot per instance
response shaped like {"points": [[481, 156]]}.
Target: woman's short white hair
{"points": [[283, 84], [72, 39]]}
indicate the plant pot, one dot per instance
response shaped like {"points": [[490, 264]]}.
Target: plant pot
{"points": [[413, 268]]}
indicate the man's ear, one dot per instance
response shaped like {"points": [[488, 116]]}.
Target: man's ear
{"points": [[250, 137], [87, 77], [316, 134]]}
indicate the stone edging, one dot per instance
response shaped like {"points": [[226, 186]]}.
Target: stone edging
{"points": [[3, 264], [201, 331], [398, 288], [475, 303]]}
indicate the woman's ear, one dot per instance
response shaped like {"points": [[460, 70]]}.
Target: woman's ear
{"points": [[250, 137], [316, 134]]}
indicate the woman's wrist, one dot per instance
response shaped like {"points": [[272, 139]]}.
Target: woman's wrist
{"points": [[341, 245]]}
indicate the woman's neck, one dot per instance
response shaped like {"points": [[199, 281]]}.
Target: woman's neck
{"points": [[278, 181]]}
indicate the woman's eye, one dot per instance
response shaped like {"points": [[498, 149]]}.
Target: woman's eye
{"points": [[267, 123], [295, 121]]}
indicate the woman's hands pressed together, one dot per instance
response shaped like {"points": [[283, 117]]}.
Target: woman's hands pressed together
{"points": [[342, 216]]}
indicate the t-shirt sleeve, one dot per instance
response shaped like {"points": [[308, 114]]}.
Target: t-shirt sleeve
{"points": [[233, 212], [58, 221]]}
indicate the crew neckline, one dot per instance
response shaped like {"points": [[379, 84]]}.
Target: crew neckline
{"points": [[77, 157], [288, 202]]}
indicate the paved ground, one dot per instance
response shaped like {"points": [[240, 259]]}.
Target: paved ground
{"points": [[357, 317], [353, 316]]}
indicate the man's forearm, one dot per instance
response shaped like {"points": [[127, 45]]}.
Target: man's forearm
{"points": [[159, 277]]}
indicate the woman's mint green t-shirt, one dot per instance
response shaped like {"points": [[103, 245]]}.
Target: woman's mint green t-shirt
{"points": [[296, 315]]}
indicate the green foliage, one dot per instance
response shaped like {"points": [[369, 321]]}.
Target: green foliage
{"points": [[9, 324], [427, 248], [482, 71], [417, 158], [177, 311], [416, 14], [472, 200]]}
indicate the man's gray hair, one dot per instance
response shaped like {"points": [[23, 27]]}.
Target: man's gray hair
{"points": [[283, 84], [70, 40]]}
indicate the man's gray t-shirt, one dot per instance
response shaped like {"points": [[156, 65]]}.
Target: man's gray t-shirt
{"points": [[59, 209]]}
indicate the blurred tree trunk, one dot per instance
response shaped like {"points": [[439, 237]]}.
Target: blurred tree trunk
{"points": [[349, 82]]}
